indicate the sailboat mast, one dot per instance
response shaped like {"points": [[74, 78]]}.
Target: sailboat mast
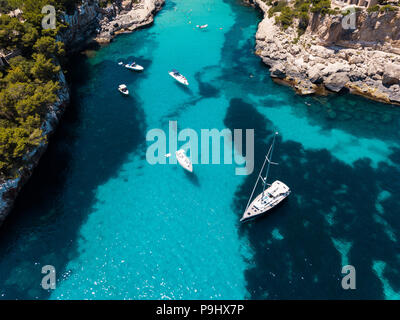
{"points": [[269, 158], [262, 169], [255, 186]]}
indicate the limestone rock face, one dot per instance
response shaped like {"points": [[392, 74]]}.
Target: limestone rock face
{"points": [[315, 74], [336, 81], [127, 17], [391, 75], [278, 71], [126, 5], [90, 22], [365, 60]]}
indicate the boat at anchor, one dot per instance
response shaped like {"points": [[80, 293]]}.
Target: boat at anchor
{"points": [[123, 89], [178, 77], [184, 160], [134, 66], [270, 197]]}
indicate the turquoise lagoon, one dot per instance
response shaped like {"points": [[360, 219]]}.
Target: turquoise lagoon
{"points": [[116, 227]]}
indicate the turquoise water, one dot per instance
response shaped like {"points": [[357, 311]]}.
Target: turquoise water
{"points": [[116, 227]]}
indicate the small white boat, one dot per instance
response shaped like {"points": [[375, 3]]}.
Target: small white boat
{"points": [[202, 26], [178, 77], [270, 197], [183, 160], [134, 66], [123, 89]]}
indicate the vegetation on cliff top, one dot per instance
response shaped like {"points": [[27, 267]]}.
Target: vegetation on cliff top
{"points": [[28, 85], [286, 12], [299, 9]]}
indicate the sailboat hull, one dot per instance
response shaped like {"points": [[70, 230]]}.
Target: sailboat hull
{"points": [[183, 160], [264, 202]]}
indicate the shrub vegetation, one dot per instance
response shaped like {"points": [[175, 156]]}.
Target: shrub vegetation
{"points": [[28, 85]]}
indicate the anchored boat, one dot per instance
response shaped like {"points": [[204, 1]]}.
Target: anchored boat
{"points": [[178, 77], [271, 196], [202, 26], [134, 66], [123, 89], [183, 160]]}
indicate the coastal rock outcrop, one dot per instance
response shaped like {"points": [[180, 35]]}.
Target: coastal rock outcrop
{"points": [[126, 17], [92, 23], [365, 60], [391, 75]]}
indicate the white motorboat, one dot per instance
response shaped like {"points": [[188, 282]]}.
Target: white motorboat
{"points": [[202, 26], [123, 89], [134, 66], [178, 77], [271, 196], [183, 160]]}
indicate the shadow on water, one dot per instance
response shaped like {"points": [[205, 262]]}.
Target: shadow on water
{"points": [[329, 200], [64, 184], [192, 177], [206, 90], [184, 88]]}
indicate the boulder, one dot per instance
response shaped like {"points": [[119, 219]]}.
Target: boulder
{"points": [[315, 74], [278, 71], [391, 75], [126, 5], [336, 82], [335, 67]]}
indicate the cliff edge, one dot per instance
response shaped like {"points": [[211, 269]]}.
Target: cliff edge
{"points": [[364, 59]]}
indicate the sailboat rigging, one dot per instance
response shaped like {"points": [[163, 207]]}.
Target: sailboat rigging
{"points": [[271, 196]]}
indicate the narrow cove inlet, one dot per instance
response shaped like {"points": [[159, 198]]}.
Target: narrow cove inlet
{"points": [[119, 216]]}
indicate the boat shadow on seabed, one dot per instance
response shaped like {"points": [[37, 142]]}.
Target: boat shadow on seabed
{"points": [[185, 89], [193, 178]]}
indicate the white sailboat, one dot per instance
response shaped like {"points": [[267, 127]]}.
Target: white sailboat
{"points": [[184, 160], [271, 196]]}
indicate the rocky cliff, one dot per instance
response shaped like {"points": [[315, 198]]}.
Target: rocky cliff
{"points": [[92, 23], [364, 60], [88, 23], [9, 189]]}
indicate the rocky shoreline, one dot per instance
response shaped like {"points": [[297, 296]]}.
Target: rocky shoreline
{"points": [[129, 16], [93, 24], [327, 57], [89, 23]]}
